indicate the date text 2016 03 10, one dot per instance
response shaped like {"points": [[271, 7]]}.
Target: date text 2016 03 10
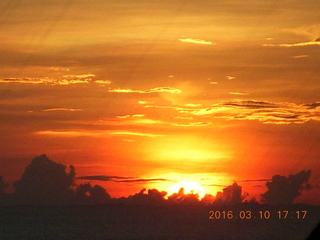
{"points": [[257, 215]]}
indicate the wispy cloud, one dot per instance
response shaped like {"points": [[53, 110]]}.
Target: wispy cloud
{"points": [[196, 41], [64, 80], [299, 44], [28, 80], [63, 109], [238, 93], [139, 134], [46, 81], [143, 180], [103, 178], [301, 56], [265, 112], [70, 133], [230, 77], [152, 90], [312, 105], [145, 102], [80, 76], [103, 82], [131, 116], [191, 124], [193, 105], [255, 180], [94, 133], [122, 179], [310, 31]]}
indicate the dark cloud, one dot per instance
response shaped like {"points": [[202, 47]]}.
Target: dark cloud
{"points": [[255, 180], [144, 180], [45, 182], [103, 178], [152, 198], [251, 104], [182, 198], [121, 179], [231, 195], [284, 190], [3, 187], [312, 105], [86, 194]]}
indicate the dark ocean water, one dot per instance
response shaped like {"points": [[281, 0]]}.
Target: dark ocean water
{"points": [[117, 222]]}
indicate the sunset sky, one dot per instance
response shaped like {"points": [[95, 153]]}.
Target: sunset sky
{"points": [[146, 94]]}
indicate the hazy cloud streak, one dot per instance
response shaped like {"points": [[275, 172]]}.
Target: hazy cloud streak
{"points": [[46, 81], [265, 112], [94, 133], [152, 90], [300, 44], [63, 109], [196, 41]]}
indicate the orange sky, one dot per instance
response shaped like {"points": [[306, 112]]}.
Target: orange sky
{"points": [[158, 92]]}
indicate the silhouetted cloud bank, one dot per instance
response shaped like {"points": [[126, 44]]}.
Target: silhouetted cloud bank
{"points": [[45, 182], [284, 190]]}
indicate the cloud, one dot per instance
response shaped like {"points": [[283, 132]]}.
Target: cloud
{"points": [[191, 124], [153, 197], [70, 133], [103, 82], [299, 44], [144, 180], [122, 179], [196, 41], [255, 180], [94, 133], [139, 134], [238, 93], [131, 116], [86, 194], [263, 111], [193, 105], [46, 81], [152, 90], [44, 182], [145, 102], [312, 105], [80, 76], [63, 109], [251, 104], [301, 56], [230, 77], [231, 195], [28, 80], [310, 31], [65, 80], [102, 178], [284, 190]]}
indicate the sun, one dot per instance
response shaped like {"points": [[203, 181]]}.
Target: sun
{"points": [[190, 187]]}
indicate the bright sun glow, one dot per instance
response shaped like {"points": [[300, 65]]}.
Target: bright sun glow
{"points": [[190, 187]]}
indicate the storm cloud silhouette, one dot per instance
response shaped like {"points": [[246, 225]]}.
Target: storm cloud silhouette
{"points": [[44, 182], [284, 190]]}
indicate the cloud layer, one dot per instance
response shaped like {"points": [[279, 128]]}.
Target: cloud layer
{"points": [[263, 111], [196, 41]]}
